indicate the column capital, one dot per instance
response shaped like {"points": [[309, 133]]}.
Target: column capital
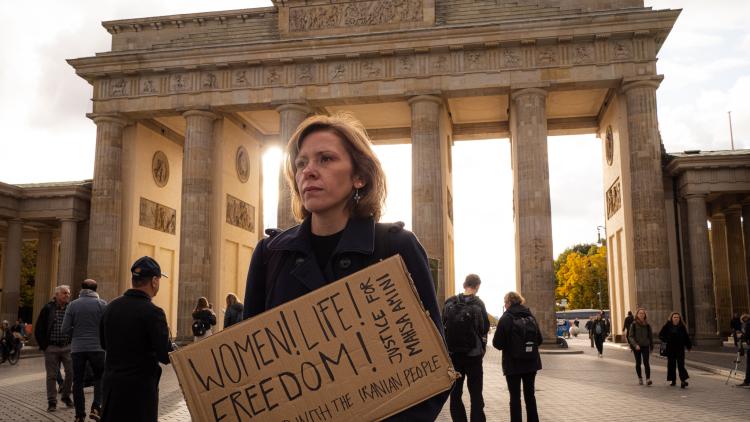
{"points": [[652, 81], [115, 118], [699, 195], [540, 92], [421, 98], [200, 113], [300, 107]]}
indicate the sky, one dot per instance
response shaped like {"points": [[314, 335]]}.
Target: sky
{"points": [[706, 62]]}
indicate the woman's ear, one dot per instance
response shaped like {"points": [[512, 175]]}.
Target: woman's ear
{"points": [[358, 182]]}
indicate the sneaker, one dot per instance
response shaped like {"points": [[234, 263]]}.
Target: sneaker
{"points": [[95, 414], [648, 382], [68, 402], [51, 406], [683, 384], [640, 381]]}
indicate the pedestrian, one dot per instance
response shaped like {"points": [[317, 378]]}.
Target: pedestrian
{"points": [[466, 327], [203, 319], [735, 326], [233, 314], [338, 193], [640, 337], [675, 335], [518, 336], [589, 325], [81, 323], [135, 336], [599, 332], [56, 346], [626, 326], [7, 341], [746, 342]]}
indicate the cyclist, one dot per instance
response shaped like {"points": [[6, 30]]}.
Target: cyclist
{"points": [[7, 341]]}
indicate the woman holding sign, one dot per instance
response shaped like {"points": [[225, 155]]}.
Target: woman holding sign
{"points": [[338, 192]]}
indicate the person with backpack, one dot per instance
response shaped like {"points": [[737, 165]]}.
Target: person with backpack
{"points": [[600, 331], [518, 336], [338, 192], [640, 337], [203, 319], [466, 327]]}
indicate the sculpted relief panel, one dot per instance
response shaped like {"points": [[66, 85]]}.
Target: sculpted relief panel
{"points": [[240, 214], [379, 12], [157, 216], [614, 199]]}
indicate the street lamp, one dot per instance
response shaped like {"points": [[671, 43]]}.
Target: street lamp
{"points": [[599, 234]]}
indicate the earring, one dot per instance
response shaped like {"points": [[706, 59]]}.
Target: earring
{"points": [[356, 196]]}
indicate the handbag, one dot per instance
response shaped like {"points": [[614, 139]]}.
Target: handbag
{"points": [[663, 349]]}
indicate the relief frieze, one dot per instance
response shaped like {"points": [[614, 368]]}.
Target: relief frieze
{"points": [[546, 56], [149, 86], [337, 72], [157, 216], [475, 60], [406, 65], [305, 73], [614, 199], [240, 213], [180, 82], [241, 77], [274, 75], [354, 14], [622, 50], [510, 57], [209, 80], [119, 87], [583, 54], [372, 69]]}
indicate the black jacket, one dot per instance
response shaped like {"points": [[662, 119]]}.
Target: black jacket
{"points": [[233, 314], [207, 316], [502, 341], [604, 324], [134, 333], [676, 337], [43, 325], [284, 268], [482, 326]]}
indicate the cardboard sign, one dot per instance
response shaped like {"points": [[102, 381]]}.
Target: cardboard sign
{"points": [[361, 348]]}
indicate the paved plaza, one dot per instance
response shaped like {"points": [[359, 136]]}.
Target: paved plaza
{"points": [[571, 387]]}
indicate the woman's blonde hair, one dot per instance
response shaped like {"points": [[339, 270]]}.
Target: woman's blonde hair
{"points": [[514, 298], [231, 299], [365, 163], [645, 314]]}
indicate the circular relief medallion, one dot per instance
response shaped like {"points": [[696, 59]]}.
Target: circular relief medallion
{"points": [[160, 169], [609, 145], [242, 163]]}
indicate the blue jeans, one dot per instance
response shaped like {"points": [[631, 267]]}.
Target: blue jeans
{"points": [[96, 360]]}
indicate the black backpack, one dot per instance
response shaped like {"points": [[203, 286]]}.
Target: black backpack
{"points": [[461, 321], [523, 338], [199, 328]]}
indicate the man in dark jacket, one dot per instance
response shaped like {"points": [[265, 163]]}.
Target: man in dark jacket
{"points": [[628, 322], [81, 323], [521, 359], [135, 336], [56, 346], [746, 344], [735, 326], [600, 331], [467, 358]]}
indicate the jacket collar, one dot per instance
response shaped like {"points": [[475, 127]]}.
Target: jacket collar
{"points": [[88, 293], [137, 293], [358, 236]]}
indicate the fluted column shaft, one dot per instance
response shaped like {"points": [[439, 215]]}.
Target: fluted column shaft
{"points": [[650, 247], [720, 261], [196, 217], [736, 254], [704, 312], [12, 271], [291, 115], [66, 269], [43, 276], [427, 181], [106, 207], [746, 239], [531, 205]]}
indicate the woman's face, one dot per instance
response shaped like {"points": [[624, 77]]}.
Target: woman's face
{"points": [[324, 174], [675, 319], [641, 315]]}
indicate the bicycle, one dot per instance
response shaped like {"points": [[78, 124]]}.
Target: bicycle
{"points": [[12, 355]]}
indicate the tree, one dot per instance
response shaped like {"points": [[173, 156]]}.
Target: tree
{"points": [[28, 274], [581, 277]]}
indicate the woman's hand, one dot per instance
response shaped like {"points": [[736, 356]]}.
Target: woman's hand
{"points": [[637, 348]]}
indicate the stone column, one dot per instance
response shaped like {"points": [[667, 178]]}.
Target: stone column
{"points": [[653, 285], [720, 261], [291, 116], [12, 271], [736, 254], [531, 206], [66, 270], [43, 276], [704, 313], [428, 185], [746, 238], [106, 207], [196, 216]]}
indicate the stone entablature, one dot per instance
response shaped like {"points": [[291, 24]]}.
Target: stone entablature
{"points": [[46, 201], [710, 172]]}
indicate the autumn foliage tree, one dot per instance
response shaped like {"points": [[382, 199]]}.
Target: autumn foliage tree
{"points": [[580, 274]]}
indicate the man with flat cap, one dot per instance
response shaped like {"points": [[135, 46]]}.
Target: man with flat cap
{"points": [[135, 336]]}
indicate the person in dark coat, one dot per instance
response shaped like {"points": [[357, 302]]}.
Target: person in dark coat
{"points": [[674, 333], [233, 313], [338, 191], [640, 338], [135, 337], [56, 346], [206, 315], [628, 322], [600, 331], [746, 345], [735, 326], [517, 370]]}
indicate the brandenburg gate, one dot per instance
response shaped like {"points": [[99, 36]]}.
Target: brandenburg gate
{"points": [[184, 106]]}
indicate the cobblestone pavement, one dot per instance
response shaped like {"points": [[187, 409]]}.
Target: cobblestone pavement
{"points": [[578, 387]]}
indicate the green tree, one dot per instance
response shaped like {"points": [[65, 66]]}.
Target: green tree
{"points": [[28, 274], [580, 275]]}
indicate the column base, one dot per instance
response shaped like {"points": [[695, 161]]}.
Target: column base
{"points": [[707, 341]]}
